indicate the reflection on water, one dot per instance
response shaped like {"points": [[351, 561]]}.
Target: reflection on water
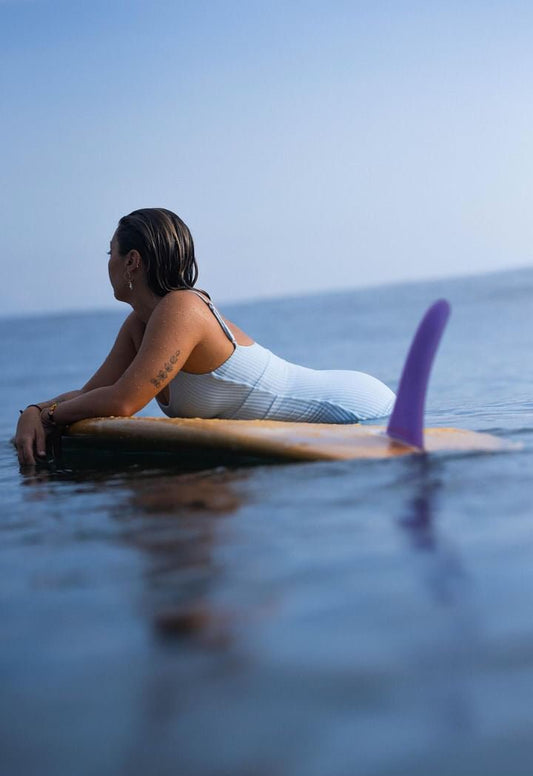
{"points": [[177, 541], [376, 628], [447, 580], [172, 519], [443, 576]]}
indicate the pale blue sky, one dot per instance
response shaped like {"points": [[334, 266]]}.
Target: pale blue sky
{"points": [[308, 145]]}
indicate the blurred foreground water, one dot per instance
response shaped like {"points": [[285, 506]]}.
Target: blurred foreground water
{"points": [[322, 619]]}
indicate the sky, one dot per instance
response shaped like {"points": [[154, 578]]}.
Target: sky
{"points": [[308, 145]]}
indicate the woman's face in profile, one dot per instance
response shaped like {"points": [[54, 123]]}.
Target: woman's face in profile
{"points": [[116, 269]]}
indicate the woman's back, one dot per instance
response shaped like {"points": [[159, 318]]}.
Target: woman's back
{"points": [[253, 383]]}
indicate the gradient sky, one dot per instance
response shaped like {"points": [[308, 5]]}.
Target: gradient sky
{"points": [[308, 145]]}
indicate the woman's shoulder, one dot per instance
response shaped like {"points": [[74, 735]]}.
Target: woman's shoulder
{"points": [[180, 309], [184, 300], [191, 294]]}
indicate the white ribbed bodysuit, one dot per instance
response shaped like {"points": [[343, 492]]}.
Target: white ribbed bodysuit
{"points": [[253, 383]]}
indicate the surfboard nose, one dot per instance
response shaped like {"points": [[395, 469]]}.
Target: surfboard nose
{"points": [[406, 423]]}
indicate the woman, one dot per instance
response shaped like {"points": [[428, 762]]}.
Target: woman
{"points": [[176, 346]]}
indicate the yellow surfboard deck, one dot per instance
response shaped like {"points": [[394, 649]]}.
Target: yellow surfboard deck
{"points": [[271, 439]]}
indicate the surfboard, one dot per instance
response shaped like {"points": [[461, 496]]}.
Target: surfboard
{"points": [[267, 439], [283, 441]]}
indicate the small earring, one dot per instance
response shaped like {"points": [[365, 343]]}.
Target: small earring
{"points": [[130, 284]]}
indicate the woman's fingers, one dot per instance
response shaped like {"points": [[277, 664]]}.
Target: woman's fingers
{"points": [[40, 441], [25, 451], [30, 443]]}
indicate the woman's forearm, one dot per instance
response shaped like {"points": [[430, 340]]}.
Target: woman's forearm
{"points": [[34, 425], [57, 399], [100, 402]]}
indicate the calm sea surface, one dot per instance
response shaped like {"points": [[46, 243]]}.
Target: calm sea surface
{"points": [[321, 619]]}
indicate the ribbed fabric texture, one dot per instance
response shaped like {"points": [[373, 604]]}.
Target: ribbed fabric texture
{"points": [[256, 384]]}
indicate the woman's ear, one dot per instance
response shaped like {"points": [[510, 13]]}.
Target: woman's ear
{"points": [[133, 260]]}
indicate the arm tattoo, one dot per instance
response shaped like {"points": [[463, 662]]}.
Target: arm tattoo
{"points": [[168, 367]]}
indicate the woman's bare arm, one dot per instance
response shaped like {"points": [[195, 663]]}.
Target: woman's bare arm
{"points": [[30, 435], [117, 361], [120, 356], [170, 336]]}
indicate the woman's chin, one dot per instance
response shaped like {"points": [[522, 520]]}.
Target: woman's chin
{"points": [[120, 294]]}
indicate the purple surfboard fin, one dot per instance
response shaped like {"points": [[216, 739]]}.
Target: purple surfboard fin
{"points": [[406, 423]]}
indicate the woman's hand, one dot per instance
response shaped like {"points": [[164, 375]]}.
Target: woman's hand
{"points": [[30, 437]]}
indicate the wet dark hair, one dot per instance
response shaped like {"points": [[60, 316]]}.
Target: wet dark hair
{"points": [[165, 245]]}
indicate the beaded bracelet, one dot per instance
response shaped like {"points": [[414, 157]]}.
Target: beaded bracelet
{"points": [[51, 410]]}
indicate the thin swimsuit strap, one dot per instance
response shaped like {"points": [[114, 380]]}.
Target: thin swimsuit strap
{"points": [[223, 325]]}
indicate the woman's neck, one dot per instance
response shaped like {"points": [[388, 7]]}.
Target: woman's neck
{"points": [[144, 302]]}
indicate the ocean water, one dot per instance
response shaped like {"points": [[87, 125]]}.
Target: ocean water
{"points": [[317, 619]]}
